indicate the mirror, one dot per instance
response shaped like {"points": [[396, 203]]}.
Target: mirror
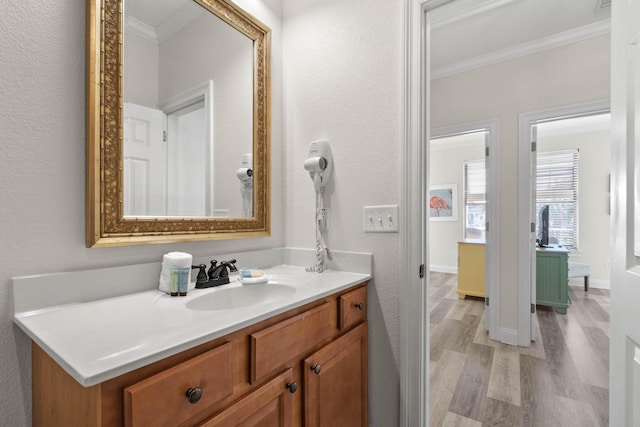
{"points": [[178, 122]]}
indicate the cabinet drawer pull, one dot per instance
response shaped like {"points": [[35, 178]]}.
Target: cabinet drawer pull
{"points": [[292, 387], [315, 369], [359, 306], [194, 394]]}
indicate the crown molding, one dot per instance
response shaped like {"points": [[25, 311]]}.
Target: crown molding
{"points": [[462, 9], [140, 29], [174, 23], [180, 19], [550, 42]]}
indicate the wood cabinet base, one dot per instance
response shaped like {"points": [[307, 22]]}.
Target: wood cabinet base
{"points": [[243, 378]]}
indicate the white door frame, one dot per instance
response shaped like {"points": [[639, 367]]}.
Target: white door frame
{"points": [[414, 310], [202, 92], [492, 256], [526, 272]]}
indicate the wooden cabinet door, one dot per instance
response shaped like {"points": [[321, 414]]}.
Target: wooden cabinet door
{"points": [[269, 406], [336, 383]]}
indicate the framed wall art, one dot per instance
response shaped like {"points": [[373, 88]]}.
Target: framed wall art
{"points": [[443, 202]]}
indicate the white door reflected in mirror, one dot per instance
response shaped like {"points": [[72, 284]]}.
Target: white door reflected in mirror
{"points": [[194, 71]]}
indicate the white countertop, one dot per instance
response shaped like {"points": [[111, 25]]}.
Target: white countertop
{"points": [[99, 340]]}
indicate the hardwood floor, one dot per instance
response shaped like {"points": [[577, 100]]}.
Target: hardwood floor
{"points": [[561, 380]]}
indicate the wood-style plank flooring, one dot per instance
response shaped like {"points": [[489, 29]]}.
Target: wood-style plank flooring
{"points": [[561, 380]]}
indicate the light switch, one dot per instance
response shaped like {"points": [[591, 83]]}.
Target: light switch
{"points": [[380, 219]]}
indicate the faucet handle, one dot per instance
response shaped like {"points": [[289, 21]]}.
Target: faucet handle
{"points": [[202, 274]]}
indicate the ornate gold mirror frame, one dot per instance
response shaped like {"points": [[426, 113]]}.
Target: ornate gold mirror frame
{"points": [[106, 224]]}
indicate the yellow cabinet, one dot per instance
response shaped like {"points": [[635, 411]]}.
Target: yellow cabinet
{"points": [[471, 268]]}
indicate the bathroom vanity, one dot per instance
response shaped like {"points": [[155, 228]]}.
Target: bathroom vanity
{"points": [[299, 360], [307, 364]]}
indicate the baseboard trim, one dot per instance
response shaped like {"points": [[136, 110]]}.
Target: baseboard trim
{"points": [[593, 283], [509, 336], [443, 269]]}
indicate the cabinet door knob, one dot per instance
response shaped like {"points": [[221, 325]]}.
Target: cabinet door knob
{"points": [[194, 394], [359, 306], [315, 369], [292, 387]]}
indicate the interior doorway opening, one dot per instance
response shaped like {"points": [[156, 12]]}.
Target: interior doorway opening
{"points": [[463, 165], [562, 139]]}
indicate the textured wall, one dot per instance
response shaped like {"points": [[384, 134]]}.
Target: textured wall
{"points": [[42, 179], [342, 79]]}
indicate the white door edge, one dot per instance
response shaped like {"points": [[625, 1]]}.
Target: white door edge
{"points": [[414, 310]]}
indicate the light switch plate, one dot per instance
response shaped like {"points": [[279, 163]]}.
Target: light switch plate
{"points": [[380, 219]]}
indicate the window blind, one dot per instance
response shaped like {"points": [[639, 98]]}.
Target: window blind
{"points": [[557, 186], [475, 198]]}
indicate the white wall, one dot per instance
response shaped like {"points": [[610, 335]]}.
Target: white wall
{"points": [[446, 166], [571, 74], [140, 81], [594, 231], [42, 179], [342, 79]]}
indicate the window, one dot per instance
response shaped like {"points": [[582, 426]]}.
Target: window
{"points": [[475, 200], [557, 186]]}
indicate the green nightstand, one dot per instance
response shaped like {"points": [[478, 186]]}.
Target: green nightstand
{"points": [[552, 277]]}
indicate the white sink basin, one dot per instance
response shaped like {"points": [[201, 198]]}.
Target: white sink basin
{"points": [[240, 297]]}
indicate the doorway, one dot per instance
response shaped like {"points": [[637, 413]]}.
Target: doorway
{"points": [[528, 129], [415, 152], [464, 158]]}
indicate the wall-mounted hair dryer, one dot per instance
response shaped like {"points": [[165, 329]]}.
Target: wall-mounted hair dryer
{"points": [[245, 175], [319, 163]]}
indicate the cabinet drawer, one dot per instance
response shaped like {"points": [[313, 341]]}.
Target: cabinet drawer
{"points": [[162, 399], [353, 308], [272, 348]]}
